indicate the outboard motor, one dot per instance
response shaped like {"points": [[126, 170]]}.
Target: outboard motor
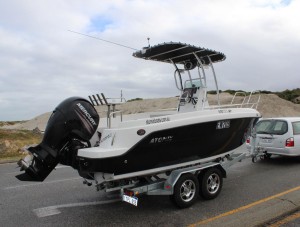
{"points": [[75, 119]]}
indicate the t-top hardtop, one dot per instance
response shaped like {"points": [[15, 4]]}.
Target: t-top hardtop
{"points": [[179, 53]]}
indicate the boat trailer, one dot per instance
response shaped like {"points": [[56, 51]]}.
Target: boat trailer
{"points": [[183, 185]]}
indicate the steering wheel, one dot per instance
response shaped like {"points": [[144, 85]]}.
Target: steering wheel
{"points": [[186, 97]]}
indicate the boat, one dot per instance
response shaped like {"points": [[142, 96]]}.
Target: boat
{"points": [[195, 132]]}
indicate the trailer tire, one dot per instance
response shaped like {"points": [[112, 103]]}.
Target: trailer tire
{"points": [[211, 183], [186, 191]]}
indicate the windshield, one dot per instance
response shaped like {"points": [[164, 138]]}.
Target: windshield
{"points": [[193, 83], [276, 127]]}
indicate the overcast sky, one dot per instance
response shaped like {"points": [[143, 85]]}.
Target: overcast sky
{"points": [[42, 63]]}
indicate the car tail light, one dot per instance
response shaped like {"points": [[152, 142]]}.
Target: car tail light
{"points": [[289, 142], [248, 140]]}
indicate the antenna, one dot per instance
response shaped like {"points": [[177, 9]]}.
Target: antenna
{"points": [[148, 41], [118, 44]]}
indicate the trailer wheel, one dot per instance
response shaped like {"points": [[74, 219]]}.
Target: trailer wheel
{"points": [[211, 183], [254, 159], [186, 191]]}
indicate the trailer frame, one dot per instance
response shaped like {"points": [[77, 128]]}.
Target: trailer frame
{"points": [[166, 183]]}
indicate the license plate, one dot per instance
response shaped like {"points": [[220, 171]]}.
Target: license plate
{"points": [[131, 200], [266, 140]]}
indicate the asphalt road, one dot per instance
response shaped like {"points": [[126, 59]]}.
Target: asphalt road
{"points": [[62, 199]]}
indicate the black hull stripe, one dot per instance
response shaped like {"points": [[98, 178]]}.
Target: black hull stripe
{"points": [[173, 146]]}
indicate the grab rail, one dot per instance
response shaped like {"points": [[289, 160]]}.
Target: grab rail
{"points": [[236, 93], [247, 101], [254, 103], [112, 114], [167, 109]]}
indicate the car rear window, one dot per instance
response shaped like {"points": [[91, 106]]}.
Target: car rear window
{"points": [[277, 127], [296, 127]]}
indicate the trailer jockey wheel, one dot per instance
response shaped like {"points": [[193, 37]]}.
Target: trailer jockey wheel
{"points": [[254, 159], [186, 191], [211, 183]]}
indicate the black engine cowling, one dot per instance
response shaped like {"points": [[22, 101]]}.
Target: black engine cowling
{"points": [[74, 119]]}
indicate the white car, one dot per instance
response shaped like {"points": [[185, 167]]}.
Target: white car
{"points": [[280, 136]]}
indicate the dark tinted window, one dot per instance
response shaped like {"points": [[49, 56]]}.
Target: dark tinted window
{"points": [[277, 127], [296, 127]]}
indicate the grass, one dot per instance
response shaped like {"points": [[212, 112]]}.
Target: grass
{"points": [[11, 157], [12, 142], [3, 123]]}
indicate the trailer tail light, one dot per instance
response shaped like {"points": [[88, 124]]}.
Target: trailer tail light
{"points": [[289, 142], [128, 193]]}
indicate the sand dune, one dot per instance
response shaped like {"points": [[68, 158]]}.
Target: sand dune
{"points": [[270, 106]]}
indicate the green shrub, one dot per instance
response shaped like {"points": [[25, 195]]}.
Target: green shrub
{"points": [[136, 99]]}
